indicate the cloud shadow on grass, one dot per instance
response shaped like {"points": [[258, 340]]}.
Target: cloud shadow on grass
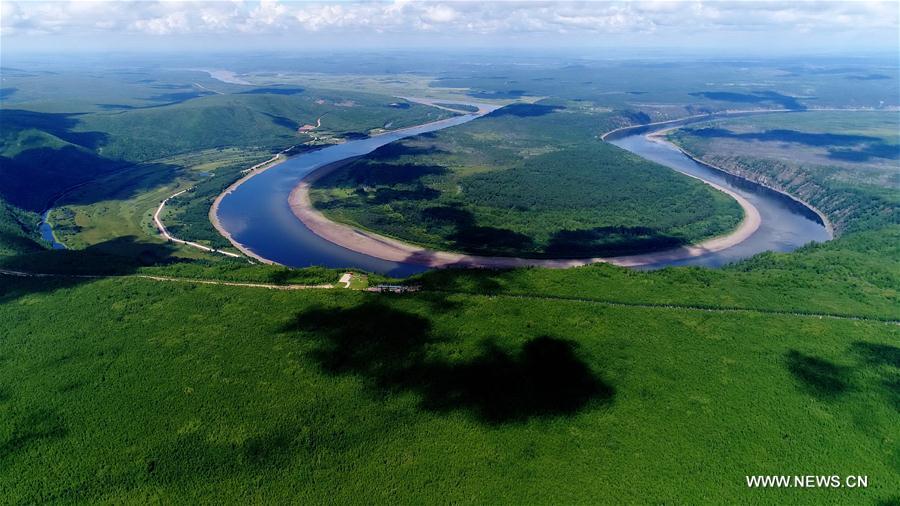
{"points": [[33, 428], [394, 350], [116, 257], [612, 241], [757, 97], [844, 147], [821, 378]]}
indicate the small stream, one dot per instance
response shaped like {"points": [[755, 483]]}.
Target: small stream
{"points": [[46, 231]]}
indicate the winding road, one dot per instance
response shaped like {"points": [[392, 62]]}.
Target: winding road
{"points": [[169, 237]]}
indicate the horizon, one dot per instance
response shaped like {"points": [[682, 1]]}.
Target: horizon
{"points": [[719, 27]]}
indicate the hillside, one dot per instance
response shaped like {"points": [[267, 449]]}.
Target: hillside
{"points": [[845, 163], [72, 148]]}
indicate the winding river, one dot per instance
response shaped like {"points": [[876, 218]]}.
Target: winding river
{"points": [[257, 215]]}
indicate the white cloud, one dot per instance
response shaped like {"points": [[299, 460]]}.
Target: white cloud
{"points": [[440, 14], [175, 22], [447, 18]]}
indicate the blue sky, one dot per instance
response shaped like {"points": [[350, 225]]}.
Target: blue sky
{"points": [[743, 26]]}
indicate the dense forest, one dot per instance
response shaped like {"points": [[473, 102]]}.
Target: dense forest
{"points": [[528, 180]]}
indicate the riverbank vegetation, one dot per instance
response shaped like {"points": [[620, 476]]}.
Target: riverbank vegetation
{"points": [[527, 180], [845, 163]]}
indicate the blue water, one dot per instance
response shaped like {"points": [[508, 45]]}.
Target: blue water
{"points": [[786, 224], [47, 232], [258, 216]]}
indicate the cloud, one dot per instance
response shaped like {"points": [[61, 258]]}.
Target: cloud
{"points": [[440, 14], [452, 19]]}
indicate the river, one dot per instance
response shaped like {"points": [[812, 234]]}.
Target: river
{"points": [[46, 231], [257, 214]]}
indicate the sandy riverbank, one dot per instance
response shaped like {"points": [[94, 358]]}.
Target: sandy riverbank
{"points": [[660, 136], [214, 209], [278, 159], [393, 250]]}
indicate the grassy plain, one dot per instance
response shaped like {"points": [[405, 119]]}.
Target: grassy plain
{"points": [[255, 395]]}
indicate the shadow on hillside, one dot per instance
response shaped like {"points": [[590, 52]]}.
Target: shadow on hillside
{"points": [[496, 94], [186, 457], [480, 281], [163, 99], [286, 90], [32, 178], [67, 166], [194, 454], [525, 110], [877, 354], [757, 97], [394, 350], [367, 173], [128, 182], [819, 377], [33, 428], [460, 228], [283, 121], [877, 366], [609, 241], [61, 125], [396, 149], [865, 147], [116, 257]]}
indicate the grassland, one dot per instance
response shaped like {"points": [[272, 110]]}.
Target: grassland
{"points": [[122, 204], [527, 180], [844, 163], [254, 395]]}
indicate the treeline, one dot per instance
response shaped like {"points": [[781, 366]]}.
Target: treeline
{"points": [[851, 203], [18, 230]]}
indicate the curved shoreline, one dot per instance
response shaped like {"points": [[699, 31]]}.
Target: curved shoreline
{"points": [[214, 209], [279, 158], [389, 249], [658, 137], [386, 248]]}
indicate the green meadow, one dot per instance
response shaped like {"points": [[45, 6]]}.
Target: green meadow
{"points": [[134, 391]]}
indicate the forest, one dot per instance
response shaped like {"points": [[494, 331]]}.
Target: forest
{"points": [[530, 180], [851, 176]]}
